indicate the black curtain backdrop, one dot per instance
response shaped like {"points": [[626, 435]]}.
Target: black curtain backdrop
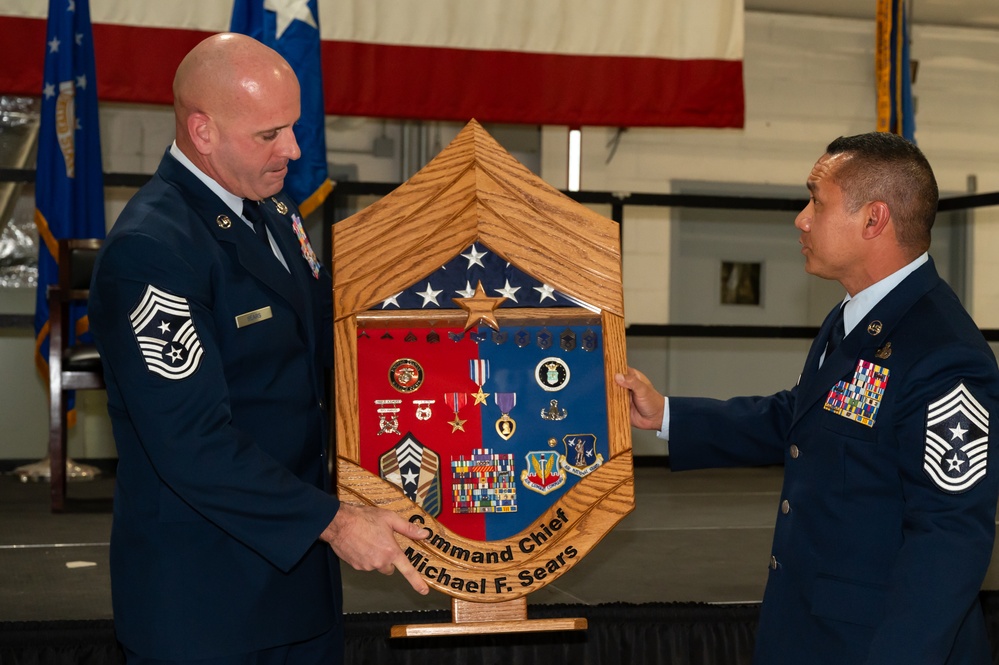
{"points": [[618, 634]]}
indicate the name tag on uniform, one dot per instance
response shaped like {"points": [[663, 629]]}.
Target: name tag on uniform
{"points": [[256, 316]]}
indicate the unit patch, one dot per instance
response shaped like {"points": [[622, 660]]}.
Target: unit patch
{"points": [[166, 335], [415, 469], [860, 399], [543, 473], [581, 457], [957, 441]]}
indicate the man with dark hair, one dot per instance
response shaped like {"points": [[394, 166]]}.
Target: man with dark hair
{"points": [[886, 518], [884, 168], [214, 323]]}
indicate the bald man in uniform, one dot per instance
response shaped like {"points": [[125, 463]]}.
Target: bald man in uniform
{"points": [[214, 323], [886, 518]]}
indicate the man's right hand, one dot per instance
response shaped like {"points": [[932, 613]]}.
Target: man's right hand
{"points": [[364, 537]]}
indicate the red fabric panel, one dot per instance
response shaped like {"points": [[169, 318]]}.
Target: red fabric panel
{"points": [[503, 86], [23, 42], [136, 64]]}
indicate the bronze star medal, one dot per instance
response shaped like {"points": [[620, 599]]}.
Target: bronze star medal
{"points": [[456, 401]]}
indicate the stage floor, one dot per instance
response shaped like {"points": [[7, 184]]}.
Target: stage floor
{"points": [[700, 536]]}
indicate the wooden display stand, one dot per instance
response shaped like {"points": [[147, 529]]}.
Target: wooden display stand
{"points": [[513, 506]]}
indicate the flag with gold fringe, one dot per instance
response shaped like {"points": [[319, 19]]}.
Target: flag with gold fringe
{"points": [[292, 29], [69, 186], [893, 70]]}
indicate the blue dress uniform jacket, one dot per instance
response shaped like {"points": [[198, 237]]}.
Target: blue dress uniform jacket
{"points": [[214, 359], [881, 544]]}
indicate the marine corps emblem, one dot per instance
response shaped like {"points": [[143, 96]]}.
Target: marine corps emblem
{"points": [[406, 375]]}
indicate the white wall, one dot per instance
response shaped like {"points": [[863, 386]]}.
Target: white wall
{"points": [[808, 80]]}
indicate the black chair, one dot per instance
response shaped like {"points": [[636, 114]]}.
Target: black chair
{"points": [[71, 367]]}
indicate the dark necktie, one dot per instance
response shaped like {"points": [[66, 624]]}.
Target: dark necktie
{"points": [[252, 211], [837, 332]]}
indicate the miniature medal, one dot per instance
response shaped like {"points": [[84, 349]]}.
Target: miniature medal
{"points": [[455, 401], [506, 425], [478, 371]]}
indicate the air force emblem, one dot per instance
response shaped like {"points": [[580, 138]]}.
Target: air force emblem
{"points": [[957, 441], [166, 335]]}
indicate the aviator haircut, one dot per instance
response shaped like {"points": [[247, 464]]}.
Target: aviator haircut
{"points": [[886, 167]]}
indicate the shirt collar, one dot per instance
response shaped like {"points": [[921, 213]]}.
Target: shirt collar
{"points": [[859, 305], [234, 202]]}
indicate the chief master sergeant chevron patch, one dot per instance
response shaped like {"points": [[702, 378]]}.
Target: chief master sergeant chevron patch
{"points": [[957, 441], [166, 335]]}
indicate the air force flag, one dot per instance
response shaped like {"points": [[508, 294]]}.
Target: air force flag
{"points": [[957, 441], [291, 27]]}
